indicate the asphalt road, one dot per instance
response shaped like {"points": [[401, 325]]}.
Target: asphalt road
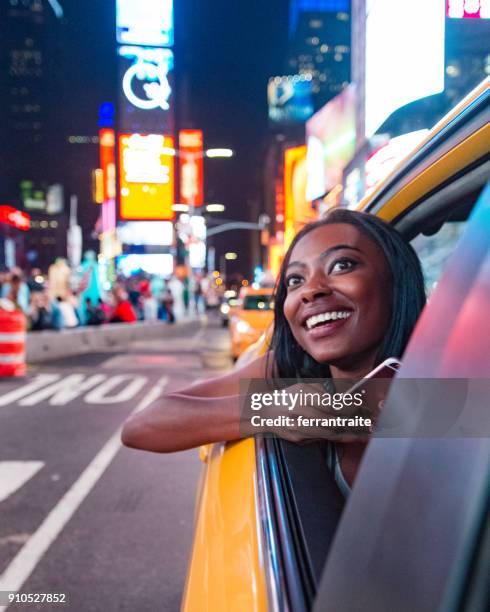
{"points": [[108, 526]]}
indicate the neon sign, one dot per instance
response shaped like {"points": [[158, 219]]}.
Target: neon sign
{"points": [[191, 167], [15, 218], [146, 82]]}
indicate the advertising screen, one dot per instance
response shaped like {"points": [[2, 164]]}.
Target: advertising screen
{"points": [[297, 210], [158, 264], [145, 22], [404, 55], [146, 90], [331, 140], [468, 9], [191, 167], [107, 152], [290, 98], [146, 170], [147, 233]]}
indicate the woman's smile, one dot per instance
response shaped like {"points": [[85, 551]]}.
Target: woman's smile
{"points": [[338, 301], [325, 324]]}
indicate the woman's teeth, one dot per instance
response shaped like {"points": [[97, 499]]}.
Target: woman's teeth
{"points": [[327, 316]]}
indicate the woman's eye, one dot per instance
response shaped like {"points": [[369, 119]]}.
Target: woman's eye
{"points": [[342, 265], [293, 281]]}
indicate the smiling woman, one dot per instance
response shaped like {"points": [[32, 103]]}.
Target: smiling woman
{"points": [[348, 296]]}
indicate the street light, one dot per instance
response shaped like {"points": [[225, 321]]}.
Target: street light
{"points": [[207, 153], [215, 207], [180, 207], [231, 256], [219, 153]]}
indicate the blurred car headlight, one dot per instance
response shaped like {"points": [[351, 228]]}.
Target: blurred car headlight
{"points": [[224, 308], [243, 327]]}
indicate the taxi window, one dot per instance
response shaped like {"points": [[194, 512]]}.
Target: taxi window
{"points": [[257, 302], [434, 251], [439, 234]]}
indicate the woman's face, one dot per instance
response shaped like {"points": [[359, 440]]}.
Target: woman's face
{"points": [[339, 294]]}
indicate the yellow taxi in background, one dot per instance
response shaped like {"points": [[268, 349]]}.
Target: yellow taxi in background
{"points": [[252, 316]]}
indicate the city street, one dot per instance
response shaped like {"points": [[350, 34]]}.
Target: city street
{"points": [[109, 526]]}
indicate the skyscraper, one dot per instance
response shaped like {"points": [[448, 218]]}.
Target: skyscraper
{"points": [[28, 78], [320, 45]]}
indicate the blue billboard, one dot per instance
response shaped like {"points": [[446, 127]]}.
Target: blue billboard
{"points": [[145, 22], [290, 98]]}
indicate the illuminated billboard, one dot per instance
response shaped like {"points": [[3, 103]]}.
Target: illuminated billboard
{"points": [[468, 9], [298, 211], [146, 89], [146, 233], [290, 98], [146, 169], [331, 140], [404, 55], [145, 22], [107, 149], [157, 264], [15, 218], [191, 167]]}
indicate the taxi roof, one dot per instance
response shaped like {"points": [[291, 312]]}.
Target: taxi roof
{"points": [[260, 291], [458, 140]]}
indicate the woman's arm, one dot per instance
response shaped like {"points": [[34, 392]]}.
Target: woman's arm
{"points": [[206, 412]]}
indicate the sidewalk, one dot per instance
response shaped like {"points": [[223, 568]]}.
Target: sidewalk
{"points": [[46, 345]]}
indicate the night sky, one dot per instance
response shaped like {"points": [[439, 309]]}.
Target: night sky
{"points": [[225, 51]]}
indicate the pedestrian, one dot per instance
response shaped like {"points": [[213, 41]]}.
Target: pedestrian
{"points": [[40, 314], [176, 288], [15, 286], [64, 314], [123, 310], [168, 305], [94, 314]]}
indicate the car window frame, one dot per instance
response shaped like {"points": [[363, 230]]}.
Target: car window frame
{"points": [[295, 486]]}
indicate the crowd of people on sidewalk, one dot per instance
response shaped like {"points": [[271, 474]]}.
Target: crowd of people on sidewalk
{"points": [[138, 298]]}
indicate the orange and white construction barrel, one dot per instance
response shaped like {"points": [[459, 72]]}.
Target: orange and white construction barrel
{"points": [[12, 343]]}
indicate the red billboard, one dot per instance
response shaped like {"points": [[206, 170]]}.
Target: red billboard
{"points": [[191, 167]]}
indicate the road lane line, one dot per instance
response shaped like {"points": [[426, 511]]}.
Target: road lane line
{"points": [[65, 390], [14, 475], [28, 557], [40, 381], [101, 394]]}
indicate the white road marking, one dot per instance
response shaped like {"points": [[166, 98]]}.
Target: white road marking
{"points": [[40, 381], [64, 391], [14, 474], [28, 557], [99, 395]]}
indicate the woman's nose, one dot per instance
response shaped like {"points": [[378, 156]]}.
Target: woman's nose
{"points": [[316, 287]]}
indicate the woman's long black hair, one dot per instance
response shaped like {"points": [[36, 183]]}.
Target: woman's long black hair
{"points": [[408, 296]]}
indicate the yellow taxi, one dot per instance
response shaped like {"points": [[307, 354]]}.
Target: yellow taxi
{"points": [[274, 533], [250, 318]]}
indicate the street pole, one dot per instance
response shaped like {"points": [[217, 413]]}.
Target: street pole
{"points": [[222, 267]]}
